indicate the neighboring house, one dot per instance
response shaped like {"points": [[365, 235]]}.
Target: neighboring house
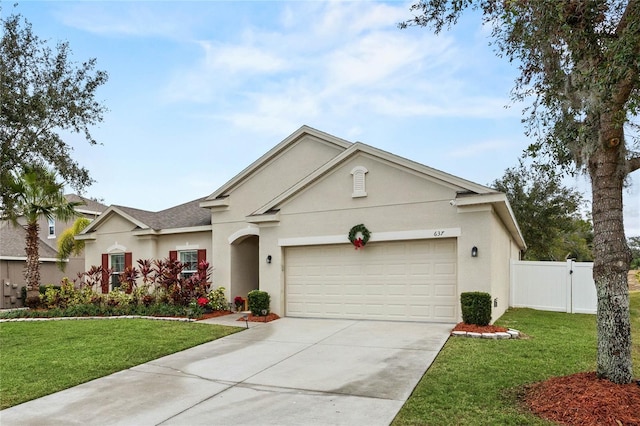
{"points": [[13, 255], [50, 230], [282, 226]]}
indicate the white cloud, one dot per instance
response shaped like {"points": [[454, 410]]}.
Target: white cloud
{"points": [[124, 19], [349, 61], [240, 59]]}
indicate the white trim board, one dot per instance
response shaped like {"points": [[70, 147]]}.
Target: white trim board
{"points": [[420, 234]]}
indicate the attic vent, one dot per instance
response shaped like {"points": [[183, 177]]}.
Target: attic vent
{"points": [[359, 189]]}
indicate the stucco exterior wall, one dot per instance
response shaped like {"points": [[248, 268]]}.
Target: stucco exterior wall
{"points": [[12, 278], [116, 236], [397, 200], [275, 177], [502, 253]]}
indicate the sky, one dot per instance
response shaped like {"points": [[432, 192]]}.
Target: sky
{"points": [[197, 91]]}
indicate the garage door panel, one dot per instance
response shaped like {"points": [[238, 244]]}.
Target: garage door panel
{"points": [[404, 280], [441, 268], [444, 290]]}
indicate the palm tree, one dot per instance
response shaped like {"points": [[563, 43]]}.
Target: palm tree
{"points": [[36, 193], [68, 245]]}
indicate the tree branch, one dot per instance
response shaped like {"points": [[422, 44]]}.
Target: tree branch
{"points": [[627, 84], [624, 19], [633, 164]]}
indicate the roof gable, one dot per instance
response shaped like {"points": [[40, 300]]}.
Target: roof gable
{"points": [[272, 154], [459, 184], [186, 215]]}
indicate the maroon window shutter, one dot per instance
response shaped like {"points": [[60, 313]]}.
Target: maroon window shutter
{"points": [[173, 255], [128, 260], [202, 255], [105, 273]]}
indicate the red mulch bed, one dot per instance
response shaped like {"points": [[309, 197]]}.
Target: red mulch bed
{"points": [[478, 328], [214, 314], [583, 399], [259, 318]]}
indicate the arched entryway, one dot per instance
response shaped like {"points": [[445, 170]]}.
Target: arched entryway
{"points": [[245, 274]]}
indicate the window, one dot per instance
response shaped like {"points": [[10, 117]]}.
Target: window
{"points": [[117, 267], [359, 189], [190, 261], [52, 228]]}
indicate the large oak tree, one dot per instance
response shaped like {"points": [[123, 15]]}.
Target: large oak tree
{"points": [[547, 212], [45, 97], [579, 62]]}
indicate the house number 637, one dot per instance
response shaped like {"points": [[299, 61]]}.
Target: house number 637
{"points": [[438, 233]]}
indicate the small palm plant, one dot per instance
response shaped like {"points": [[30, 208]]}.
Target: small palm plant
{"points": [[35, 194], [68, 245]]}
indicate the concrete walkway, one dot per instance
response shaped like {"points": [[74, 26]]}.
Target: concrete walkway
{"points": [[287, 372]]}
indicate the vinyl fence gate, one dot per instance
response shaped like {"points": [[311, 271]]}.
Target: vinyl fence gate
{"points": [[553, 286]]}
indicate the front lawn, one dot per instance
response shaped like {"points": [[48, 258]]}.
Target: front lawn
{"points": [[43, 357], [476, 381]]}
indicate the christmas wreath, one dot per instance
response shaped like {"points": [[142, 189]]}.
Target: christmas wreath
{"points": [[359, 235]]}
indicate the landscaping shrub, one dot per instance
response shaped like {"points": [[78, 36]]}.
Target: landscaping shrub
{"points": [[164, 291], [217, 300], [258, 301], [476, 307]]}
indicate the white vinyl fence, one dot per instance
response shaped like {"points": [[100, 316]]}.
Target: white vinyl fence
{"points": [[553, 286]]}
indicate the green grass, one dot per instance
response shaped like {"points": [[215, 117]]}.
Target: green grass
{"points": [[476, 381], [39, 358]]}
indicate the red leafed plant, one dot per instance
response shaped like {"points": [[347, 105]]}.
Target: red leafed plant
{"points": [[239, 302]]}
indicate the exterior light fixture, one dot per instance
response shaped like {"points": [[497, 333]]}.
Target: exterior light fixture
{"points": [[245, 317], [268, 258], [474, 251]]}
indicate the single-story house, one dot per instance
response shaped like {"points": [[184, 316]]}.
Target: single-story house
{"points": [[283, 225]]}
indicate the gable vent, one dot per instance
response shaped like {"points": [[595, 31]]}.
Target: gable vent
{"points": [[359, 184]]}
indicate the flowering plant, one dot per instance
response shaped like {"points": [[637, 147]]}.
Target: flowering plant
{"points": [[203, 301], [239, 302]]}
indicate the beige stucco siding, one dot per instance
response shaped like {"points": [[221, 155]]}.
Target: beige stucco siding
{"points": [[386, 185], [503, 250], [398, 200], [273, 178]]}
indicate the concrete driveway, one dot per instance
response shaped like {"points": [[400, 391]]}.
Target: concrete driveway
{"points": [[288, 372]]}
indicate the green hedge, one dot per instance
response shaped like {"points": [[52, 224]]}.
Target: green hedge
{"points": [[258, 301], [476, 307]]}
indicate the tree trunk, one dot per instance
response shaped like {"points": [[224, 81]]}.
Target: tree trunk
{"points": [[32, 270], [611, 265]]}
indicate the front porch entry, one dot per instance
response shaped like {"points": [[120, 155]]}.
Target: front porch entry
{"points": [[245, 275]]}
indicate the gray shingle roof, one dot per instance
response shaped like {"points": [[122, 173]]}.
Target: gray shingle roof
{"points": [[12, 242], [89, 204], [182, 216]]}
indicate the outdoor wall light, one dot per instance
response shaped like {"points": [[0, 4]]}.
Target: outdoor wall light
{"points": [[474, 251], [269, 259], [245, 317]]}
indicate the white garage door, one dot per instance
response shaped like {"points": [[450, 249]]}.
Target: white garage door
{"points": [[402, 281]]}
